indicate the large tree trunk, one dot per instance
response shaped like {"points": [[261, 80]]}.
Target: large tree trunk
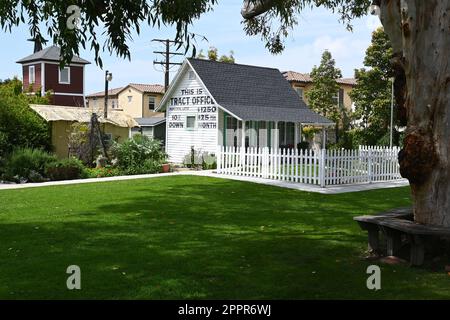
{"points": [[420, 34]]}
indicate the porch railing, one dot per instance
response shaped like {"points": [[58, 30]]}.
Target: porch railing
{"points": [[323, 167]]}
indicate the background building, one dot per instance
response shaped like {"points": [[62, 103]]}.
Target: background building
{"points": [[140, 101], [41, 73], [302, 83]]}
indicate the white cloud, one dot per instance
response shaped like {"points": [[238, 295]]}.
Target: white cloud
{"points": [[348, 51]]}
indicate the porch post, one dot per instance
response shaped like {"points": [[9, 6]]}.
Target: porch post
{"points": [[276, 136], [301, 132], [295, 135], [243, 148], [324, 137]]}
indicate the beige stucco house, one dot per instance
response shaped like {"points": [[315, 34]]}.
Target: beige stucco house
{"points": [[302, 83], [117, 126], [139, 101]]}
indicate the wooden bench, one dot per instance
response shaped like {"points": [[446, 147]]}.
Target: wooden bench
{"points": [[371, 225], [396, 223]]}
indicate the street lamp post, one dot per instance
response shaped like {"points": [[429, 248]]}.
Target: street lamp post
{"points": [[108, 78]]}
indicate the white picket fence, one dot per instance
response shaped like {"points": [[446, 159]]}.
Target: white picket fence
{"points": [[324, 167]]}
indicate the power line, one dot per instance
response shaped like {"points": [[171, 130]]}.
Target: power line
{"points": [[168, 55]]}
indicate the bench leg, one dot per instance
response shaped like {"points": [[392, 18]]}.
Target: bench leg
{"points": [[393, 242], [374, 240], [417, 251]]}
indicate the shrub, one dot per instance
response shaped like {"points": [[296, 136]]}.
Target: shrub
{"points": [[304, 145], [209, 161], [139, 155], [27, 165], [194, 159], [67, 169], [102, 172], [20, 126]]}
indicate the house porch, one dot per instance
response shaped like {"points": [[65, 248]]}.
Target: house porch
{"points": [[261, 134]]}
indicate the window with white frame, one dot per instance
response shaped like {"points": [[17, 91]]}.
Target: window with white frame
{"points": [[64, 75], [151, 103], [130, 98], [191, 75], [299, 91], [338, 98], [190, 122], [31, 75]]}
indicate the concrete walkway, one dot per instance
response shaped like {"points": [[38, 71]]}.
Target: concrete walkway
{"points": [[210, 173], [314, 188]]}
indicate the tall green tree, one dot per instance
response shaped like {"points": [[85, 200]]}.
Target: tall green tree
{"points": [[373, 91], [20, 126], [322, 95]]}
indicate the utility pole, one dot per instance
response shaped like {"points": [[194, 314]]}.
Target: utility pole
{"points": [[167, 55]]}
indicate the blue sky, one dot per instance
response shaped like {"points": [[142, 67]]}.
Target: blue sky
{"points": [[318, 30]]}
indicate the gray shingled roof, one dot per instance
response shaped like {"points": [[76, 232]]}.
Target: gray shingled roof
{"points": [[150, 122], [52, 53], [254, 93]]}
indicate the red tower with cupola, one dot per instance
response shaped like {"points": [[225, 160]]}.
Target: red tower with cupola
{"points": [[42, 73]]}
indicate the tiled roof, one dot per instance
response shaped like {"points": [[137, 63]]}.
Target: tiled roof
{"points": [[254, 93], [100, 94], [293, 76], [297, 76], [145, 88], [349, 81], [52, 53], [148, 88]]}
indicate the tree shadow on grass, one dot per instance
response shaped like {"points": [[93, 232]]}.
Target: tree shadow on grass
{"points": [[125, 262], [216, 240]]}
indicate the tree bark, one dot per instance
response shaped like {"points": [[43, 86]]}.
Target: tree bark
{"points": [[420, 34], [254, 8]]}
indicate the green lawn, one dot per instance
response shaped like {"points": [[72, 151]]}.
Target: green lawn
{"points": [[196, 237]]}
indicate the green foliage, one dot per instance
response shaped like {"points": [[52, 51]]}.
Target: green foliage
{"points": [[126, 17], [27, 165], [304, 145], [350, 139], [139, 155], [213, 55], [209, 161], [321, 96], [277, 22], [20, 126], [200, 160], [105, 172], [372, 93], [66, 169]]}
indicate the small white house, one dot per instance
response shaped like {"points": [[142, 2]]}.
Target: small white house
{"points": [[211, 104]]}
